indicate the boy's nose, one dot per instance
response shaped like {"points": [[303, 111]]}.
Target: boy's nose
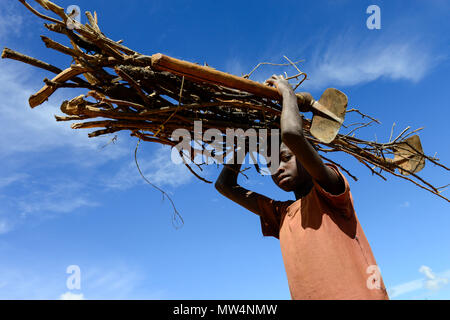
{"points": [[279, 171]]}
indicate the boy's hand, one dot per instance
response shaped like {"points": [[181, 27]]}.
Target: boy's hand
{"points": [[280, 83]]}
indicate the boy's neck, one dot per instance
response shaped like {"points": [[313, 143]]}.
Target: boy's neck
{"points": [[304, 189]]}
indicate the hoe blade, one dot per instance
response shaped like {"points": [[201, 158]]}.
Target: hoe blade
{"points": [[408, 155], [323, 127]]}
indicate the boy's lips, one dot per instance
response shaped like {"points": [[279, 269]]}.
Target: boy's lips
{"points": [[283, 179]]}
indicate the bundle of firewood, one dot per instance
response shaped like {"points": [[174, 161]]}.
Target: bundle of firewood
{"points": [[151, 96]]}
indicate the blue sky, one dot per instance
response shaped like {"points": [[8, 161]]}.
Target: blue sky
{"points": [[66, 200]]}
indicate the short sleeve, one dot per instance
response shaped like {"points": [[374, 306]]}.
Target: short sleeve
{"points": [[343, 202], [271, 214]]}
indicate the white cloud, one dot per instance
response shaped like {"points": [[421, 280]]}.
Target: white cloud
{"points": [[36, 130], [21, 283], [6, 181], [71, 296], [431, 283], [4, 226], [44, 199], [405, 204], [10, 20], [118, 280], [235, 67], [29, 134], [158, 168], [404, 288], [60, 197], [347, 61]]}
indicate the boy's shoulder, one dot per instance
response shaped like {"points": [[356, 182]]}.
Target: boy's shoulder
{"points": [[342, 202]]}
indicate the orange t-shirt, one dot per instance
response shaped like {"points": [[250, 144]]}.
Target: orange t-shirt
{"points": [[325, 252]]}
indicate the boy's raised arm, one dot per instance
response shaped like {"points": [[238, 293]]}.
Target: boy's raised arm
{"points": [[227, 185], [291, 124]]}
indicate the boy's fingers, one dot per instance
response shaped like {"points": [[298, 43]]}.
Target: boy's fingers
{"points": [[273, 79]]}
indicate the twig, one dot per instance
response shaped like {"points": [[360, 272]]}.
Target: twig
{"points": [[176, 213], [179, 103], [337, 164], [268, 63], [361, 126], [392, 131], [40, 15], [299, 72], [363, 115]]}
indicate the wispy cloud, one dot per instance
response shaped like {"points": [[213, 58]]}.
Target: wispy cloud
{"points": [[346, 61], [6, 181], [158, 168], [351, 58], [234, 66], [45, 199], [404, 288], [35, 130], [71, 296], [29, 134], [98, 281], [405, 204], [431, 283], [4, 226], [10, 19], [59, 197]]}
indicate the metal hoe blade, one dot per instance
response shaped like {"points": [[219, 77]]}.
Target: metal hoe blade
{"points": [[408, 155], [324, 127]]}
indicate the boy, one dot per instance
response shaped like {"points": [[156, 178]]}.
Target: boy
{"points": [[325, 252]]}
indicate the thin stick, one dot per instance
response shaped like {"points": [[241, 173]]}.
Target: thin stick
{"points": [[300, 73], [392, 131], [118, 102], [361, 126], [179, 103], [398, 137], [337, 164], [40, 15], [268, 63], [363, 115], [134, 84], [176, 213]]}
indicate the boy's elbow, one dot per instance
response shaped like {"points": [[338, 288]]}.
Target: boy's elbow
{"points": [[220, 186], [223, 188]]}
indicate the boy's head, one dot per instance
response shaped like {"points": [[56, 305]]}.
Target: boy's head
{"points": [[290, 175]]}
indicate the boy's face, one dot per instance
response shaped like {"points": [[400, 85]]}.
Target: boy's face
{"points": [[290, 174]]}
